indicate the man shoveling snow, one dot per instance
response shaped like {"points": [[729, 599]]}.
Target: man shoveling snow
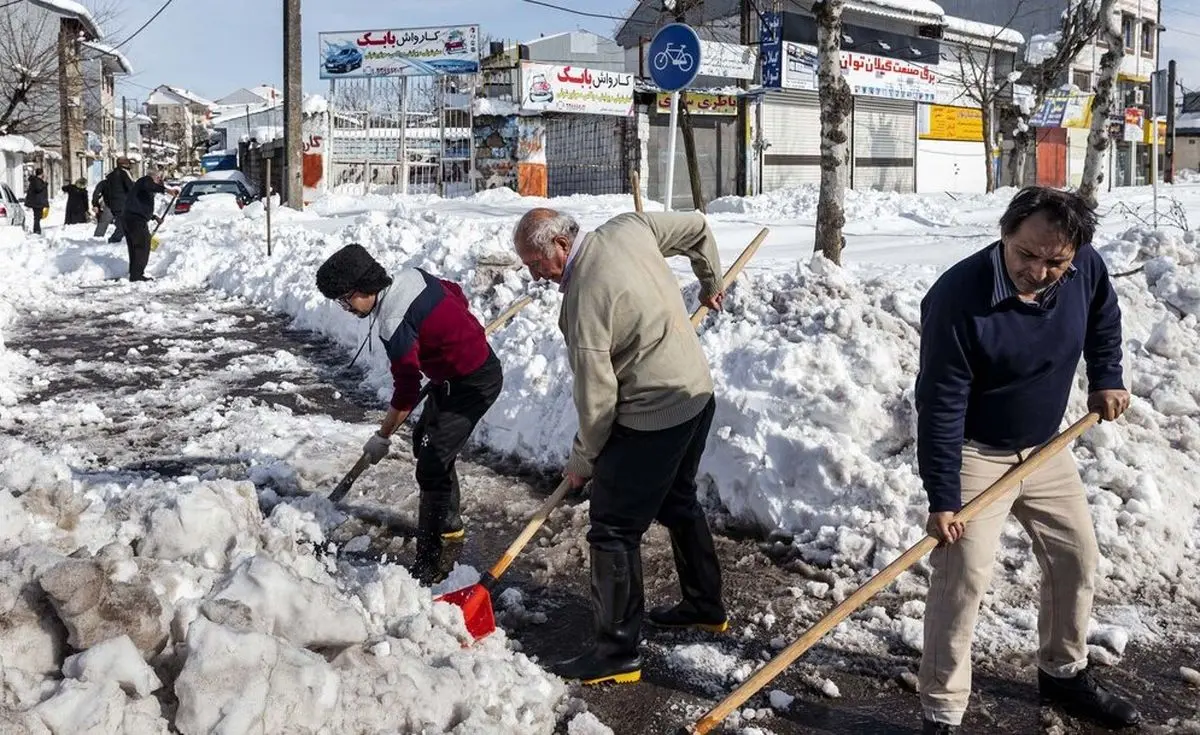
{"points": [[426, 326]]}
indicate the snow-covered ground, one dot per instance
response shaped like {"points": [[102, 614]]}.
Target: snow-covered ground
{"points": [[813, 438]]}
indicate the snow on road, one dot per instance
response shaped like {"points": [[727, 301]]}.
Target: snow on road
{"points": [[813, 438]]}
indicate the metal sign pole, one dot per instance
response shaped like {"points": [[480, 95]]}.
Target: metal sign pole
{"points": [[1154, 148], [673, 126]]}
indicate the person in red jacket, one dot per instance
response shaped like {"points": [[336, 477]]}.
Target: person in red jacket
{"points": [[426, 326]]}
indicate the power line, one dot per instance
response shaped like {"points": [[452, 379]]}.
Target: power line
{"points": [[127, 40], [586, 14]]}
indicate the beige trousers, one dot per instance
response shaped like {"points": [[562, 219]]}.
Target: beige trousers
{"points": [[1050, 504]]}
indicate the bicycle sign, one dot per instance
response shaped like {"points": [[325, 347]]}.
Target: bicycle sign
{"points": [[674, 56]]}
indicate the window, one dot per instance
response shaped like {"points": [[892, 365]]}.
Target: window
{"points": [[1127, 32], [1082, 79], [1149, 31]]}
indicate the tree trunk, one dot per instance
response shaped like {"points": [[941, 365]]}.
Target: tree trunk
{"points": [[989, 144], [1110, 63], [835, 108], [689, 151], [1022, 144]]}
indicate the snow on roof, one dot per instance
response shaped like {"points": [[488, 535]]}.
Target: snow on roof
{"points": [[1188, 122], [133, 116], [315, 104], [899, 9], [16, 144], [1041, 47], [111, 53], [71, 9], [984, 31], [183, 94], [266, 91]]}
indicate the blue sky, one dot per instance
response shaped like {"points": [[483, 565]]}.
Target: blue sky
{"points": [[217, 46]]}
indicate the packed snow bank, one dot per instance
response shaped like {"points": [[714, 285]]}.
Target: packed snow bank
{"points": [[245, 617]]}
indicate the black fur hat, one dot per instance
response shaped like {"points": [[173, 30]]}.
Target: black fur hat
{"points": [[351, 269]]}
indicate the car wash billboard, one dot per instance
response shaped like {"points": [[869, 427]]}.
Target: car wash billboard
{"points": [[398, 52]]}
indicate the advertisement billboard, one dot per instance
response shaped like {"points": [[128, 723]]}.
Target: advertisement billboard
{"points": [[397, 52], [556, 88]]}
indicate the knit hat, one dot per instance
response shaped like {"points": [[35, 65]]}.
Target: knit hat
{"points": [[81, 183], [351, 269]]}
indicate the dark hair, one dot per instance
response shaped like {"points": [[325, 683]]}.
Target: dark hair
{"points": [[38, 172], [351, 269], [1066, 210]]}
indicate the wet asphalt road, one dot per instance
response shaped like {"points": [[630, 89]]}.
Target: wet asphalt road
{"points": [[555, 619]]}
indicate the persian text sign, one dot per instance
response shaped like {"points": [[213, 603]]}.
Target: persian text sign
{"points": [[942, 122], [867, 75], [701, 103], [399, 52], [554, 88]]}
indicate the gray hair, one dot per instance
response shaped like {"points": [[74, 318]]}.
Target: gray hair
{"points": [[538, 228]]}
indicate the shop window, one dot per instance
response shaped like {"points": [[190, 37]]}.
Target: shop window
{"points": [[1082, 79], [1149, 31], [1127, 33]]}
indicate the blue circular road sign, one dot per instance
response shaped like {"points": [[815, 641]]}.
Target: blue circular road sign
{"points": [[674, 56]]}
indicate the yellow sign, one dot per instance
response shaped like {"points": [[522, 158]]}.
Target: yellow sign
{"points": [[701, 104], [954, 123], [1162, 133]]}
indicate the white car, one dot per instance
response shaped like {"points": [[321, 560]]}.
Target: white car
{"points": [[12, 212]]}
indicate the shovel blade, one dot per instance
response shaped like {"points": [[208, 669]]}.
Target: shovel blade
{"points": [[476, 604]]}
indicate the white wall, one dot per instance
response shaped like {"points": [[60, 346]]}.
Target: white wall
{"points": [[950, 165]]}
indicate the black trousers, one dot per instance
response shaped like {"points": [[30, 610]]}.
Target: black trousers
{"points": [[118, 219], [451, 412], [137, 241], [37, 220], [642, 476]]}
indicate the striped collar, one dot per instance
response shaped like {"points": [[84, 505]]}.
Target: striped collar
{"points": [[1003, 288]]}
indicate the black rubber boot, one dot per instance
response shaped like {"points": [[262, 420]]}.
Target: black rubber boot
{"points": [[452, 526], [1082, 696], [431, 513], [699, 581], [617, 609], [929, 727]]}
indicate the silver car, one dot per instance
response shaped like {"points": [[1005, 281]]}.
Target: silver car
{"points": [[12, 212]]}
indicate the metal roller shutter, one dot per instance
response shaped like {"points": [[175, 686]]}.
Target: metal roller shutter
{"points": [[791, 122], [1077, 148], [885, 144]]}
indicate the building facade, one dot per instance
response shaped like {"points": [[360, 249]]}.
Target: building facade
{"points": [[181, 119]]}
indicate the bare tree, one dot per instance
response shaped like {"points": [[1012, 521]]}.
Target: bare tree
{"points": [[835, 102], [974, 69], [1110, 62], [29, 103], [1079, 25]]}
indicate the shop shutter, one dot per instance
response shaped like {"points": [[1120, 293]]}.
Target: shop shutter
{"points": [[791, 122], [885, 141]]}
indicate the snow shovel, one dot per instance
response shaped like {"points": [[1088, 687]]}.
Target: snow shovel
{"points": [[364, 461], [881, 579], [153, 237], [476, 600]]}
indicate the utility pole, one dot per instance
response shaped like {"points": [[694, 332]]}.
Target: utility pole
{"points": [[124, 127], [743, 113], [292, 91], [1169, 153]]}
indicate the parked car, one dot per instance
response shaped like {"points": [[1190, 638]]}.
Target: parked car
{"points": [[217, 182], [12, 211]]}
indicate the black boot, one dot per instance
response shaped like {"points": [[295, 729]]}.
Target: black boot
{"points": [[452, 526], [617, 611], [929, 727], [699, 581], [1082, 696], [427, 567]]}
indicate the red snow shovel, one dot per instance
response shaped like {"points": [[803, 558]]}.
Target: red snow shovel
{"points": [[476, 600], [881, 579]]}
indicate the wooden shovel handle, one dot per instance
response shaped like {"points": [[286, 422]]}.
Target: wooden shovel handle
{"points": [[785, 657], [343, 487], [732, 274], [531, 528], [636, 188], [507, 314]]}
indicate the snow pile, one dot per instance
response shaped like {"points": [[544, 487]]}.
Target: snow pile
{"points": [[314, 104], [181, 592], [16, 144]]}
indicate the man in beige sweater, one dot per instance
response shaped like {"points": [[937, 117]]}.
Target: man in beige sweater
{"points": [[644, 398]]}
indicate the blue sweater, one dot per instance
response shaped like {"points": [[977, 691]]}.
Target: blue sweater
{"points": [[999, 371]]}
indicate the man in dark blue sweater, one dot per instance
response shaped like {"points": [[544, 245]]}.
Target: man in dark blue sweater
{"points": [[1002, 333]]}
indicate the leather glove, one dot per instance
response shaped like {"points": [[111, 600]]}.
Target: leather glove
{"points": [[376, 448]]}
